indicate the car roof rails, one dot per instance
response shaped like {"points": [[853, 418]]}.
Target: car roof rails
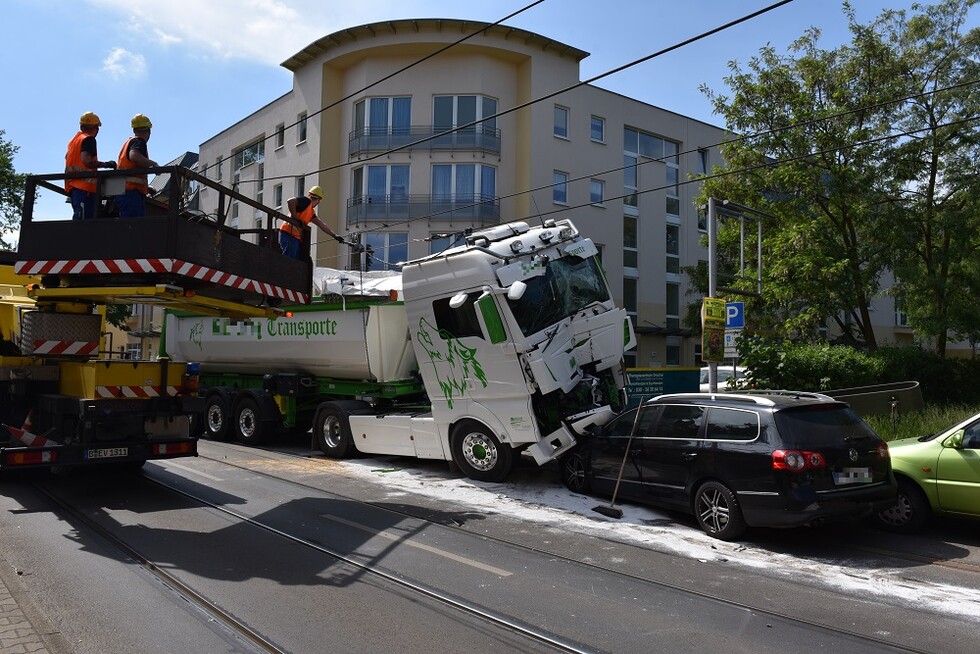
{"points": [[802, 395]]}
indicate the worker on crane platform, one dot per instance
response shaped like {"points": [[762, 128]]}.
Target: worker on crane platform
{"points": [[83, 156], [303, 209], [134, 154]]}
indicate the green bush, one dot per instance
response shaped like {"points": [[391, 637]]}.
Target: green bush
{"points": [[820, 367]]}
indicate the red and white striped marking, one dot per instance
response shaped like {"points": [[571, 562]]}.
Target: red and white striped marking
{"points": [[27, 438], [86, 348], [142, 266], [132, 392]]}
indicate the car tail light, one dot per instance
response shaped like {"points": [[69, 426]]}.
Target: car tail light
{"points": [[883, 451], [797, 460]]}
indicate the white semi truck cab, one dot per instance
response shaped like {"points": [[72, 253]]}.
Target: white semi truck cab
{"points": [[514, 336]]}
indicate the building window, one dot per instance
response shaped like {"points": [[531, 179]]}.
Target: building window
{"points": [[277, 196], [260, 183], [673, 354], [673, 249], [300, 186], [439, 242], [596, 191], [248, 155], [463, 182], [449, 111], [389, 249], [630, 242], [673, 201], [559, 190], [380, 184], [301, 128], [561, 122], [217, 164], [901, 318], [280, 135], [598, 129], [629, 296], [703, 162], [629, 181], [383, 116], [673, 313]]}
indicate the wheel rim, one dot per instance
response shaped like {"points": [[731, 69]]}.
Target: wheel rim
{"points": [[246, 422], [713, 510], [575, 472], [215, 418], [899, 513], [332, 434], [480, 452]]}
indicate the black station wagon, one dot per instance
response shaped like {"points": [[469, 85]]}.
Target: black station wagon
{"points": [[737, 460]]}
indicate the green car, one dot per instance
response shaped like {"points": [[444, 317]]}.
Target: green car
{"points": [[939, 473]]}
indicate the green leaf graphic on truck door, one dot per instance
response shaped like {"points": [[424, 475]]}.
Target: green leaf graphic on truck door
{"points": [[442, 346]]}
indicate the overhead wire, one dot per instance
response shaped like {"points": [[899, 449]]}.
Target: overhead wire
{"points": [[389, 76], [747, 137]]}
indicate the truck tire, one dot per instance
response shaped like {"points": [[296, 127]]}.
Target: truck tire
{"points": [[479, 454], [217, 416], [254, 422], [331, 428]]}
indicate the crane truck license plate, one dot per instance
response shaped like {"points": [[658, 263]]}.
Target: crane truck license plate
{"points": [[106, 452]]}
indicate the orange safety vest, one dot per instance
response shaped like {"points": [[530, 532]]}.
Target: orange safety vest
{"points": [[137, 182], [73, 164], [306, 215]]}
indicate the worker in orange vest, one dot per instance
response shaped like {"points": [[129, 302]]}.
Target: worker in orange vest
{"points": [[303, 209], [83, 156], [134, 154]]}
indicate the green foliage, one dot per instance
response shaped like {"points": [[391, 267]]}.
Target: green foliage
{"points": [[776, 363], [930, 420], [117, 315], [11, 192], [864, 157]]}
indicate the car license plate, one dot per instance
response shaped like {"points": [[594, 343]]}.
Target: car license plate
{"points": [[852, 476], [107, 453]]}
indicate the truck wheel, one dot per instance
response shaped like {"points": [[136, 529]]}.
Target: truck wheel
{"points": [[252, 426], [479, 454], [331, 430], [216, 416]]}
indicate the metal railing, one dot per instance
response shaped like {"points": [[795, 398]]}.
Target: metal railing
{"points": [[423, 137], [484, 210]]}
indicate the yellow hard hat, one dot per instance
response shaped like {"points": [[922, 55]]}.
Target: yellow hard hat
{"points": [[89, 118], [317, 191], [140, 121]]}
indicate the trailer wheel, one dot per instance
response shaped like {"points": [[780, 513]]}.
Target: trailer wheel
{"points": [[479, 454], [216, 416], [252, 422], [331, 431]]}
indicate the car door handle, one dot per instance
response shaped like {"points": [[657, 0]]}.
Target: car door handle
{"points": [[690, 456]]}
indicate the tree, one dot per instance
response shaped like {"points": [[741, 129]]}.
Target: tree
{"points": [[935, 207], [863, 170], [11, 191]]}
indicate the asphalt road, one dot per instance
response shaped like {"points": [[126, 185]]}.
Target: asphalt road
{"points": [[266, 554]]}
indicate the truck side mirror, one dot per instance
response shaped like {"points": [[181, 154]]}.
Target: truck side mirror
{"points": [[516, 290], [458, 300]]}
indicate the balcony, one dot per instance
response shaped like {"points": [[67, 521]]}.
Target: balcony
{"points": [[370, 140], [483, 210]]}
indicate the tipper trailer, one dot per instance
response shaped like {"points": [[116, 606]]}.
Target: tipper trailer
{"points": [[510, 343]]}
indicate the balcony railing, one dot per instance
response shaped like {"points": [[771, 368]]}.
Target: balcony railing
{"points": [[424, 137], [484, 210]]}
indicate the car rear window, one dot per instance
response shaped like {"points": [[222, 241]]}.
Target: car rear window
{"points": [[731, 424], [820, 425]]}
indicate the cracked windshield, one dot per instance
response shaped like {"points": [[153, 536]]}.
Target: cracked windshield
{"points": [[569, 284]]}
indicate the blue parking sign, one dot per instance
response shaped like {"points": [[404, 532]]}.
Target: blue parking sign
{"points": [[734, 315]]}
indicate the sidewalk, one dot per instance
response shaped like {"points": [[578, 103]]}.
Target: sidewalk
{"points": [[23, 630]]}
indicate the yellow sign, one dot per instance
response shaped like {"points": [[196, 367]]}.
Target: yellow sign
{"points": [[713, 313]]}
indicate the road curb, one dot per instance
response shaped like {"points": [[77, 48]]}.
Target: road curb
{"points": [[23, 628]]}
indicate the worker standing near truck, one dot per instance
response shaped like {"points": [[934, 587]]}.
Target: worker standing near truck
{"points": [[134, 154], [83, 156], [303, 209]]}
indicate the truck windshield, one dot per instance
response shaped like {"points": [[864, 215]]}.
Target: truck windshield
{"points": [[569, 284]]}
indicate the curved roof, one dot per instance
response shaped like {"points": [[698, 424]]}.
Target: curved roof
{"points": [[415, 25]]}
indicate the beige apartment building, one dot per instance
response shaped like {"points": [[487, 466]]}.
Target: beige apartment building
{"points": [[413, 147]]}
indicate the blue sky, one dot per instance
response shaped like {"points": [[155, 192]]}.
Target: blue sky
{"points": [[197, 66]]}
